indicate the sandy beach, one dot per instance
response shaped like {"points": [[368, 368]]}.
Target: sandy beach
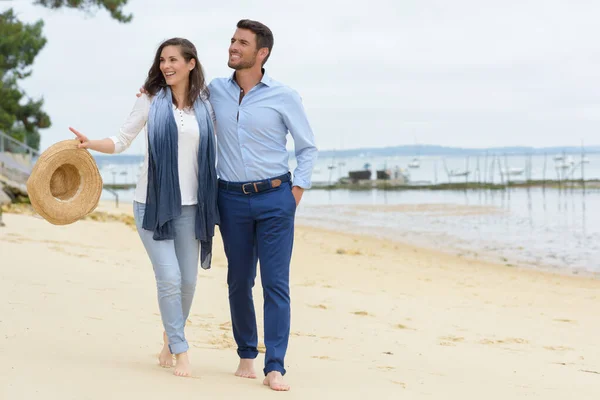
{"points": [[79, 320]]}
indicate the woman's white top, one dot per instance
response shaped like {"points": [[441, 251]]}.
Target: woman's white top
{"points": [[189, 140]]}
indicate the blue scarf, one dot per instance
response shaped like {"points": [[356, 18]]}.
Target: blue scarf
{"points": [[163, 198]]}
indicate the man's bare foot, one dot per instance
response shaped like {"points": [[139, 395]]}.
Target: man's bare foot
{"points": [[165, 358], [275, 381], [246, 368], [182, 366]]}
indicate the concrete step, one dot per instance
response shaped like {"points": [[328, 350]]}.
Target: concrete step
{"points": [[15, 167]]}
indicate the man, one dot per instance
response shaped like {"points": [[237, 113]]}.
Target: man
{"points": [[257, 200]]}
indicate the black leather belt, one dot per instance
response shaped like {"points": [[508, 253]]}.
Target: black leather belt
{"points": [[255, 186]]}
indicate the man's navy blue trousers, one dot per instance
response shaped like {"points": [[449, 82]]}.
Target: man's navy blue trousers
{"points": [[259, 227]]}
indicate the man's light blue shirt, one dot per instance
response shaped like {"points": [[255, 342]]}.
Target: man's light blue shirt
{"points": [[251, 135]]}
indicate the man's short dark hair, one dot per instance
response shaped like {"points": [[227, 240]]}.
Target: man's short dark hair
{"points": [[264, 36]]}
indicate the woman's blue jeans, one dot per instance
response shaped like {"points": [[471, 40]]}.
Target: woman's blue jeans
{"points": [[175, 264]]}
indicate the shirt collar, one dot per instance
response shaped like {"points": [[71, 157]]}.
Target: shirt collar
{"points": [[266, 79]]}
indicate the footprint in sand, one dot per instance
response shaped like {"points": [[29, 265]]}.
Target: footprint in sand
{"points": [[330, 337], [447, 344], [569, 321], [222, 342], [454, 339], [504, 341], [15, 235], [322, 357], [385, 368], [401, 326], [349, 252], [589, 371], [362, 313], [225, 326], [319, 306], [14, 238], [303, 334], [558, 348], [402, 384]]}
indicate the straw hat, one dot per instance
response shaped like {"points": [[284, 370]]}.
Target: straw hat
{"points": [[65, 184]]}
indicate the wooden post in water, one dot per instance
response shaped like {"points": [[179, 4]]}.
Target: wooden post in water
{"points": [[499, 163], [544, 171], [330, 167], [446, 169], [478, 172], [492, 169], [485, 161], [558, 174], [467, 171], [582, 163], [506, 170]]}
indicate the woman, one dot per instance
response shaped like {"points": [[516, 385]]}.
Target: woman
{"points": [[175, 198]]}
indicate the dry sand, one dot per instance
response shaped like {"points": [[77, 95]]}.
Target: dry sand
{"points": [[79, 320]]}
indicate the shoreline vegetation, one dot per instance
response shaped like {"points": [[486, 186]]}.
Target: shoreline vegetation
{"points": [[391, 185], [381, 184]]}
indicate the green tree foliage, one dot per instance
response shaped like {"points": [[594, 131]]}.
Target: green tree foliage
{"points": [[114, 7], [20, 116]]}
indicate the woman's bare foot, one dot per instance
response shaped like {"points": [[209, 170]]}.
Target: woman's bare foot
{"points": [[182, 366], [275, 381], [246, 368], [165, 358]]}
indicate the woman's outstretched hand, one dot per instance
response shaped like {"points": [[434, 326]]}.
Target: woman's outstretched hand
{"points": [[84, 142]]}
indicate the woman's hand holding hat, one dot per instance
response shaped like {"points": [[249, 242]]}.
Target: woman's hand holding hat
{"points": [[84, 142]]}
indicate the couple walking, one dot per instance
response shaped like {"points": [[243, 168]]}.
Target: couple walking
{"points": [[216, 155]]}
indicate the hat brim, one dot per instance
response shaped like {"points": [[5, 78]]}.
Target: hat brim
{"points": [[65, 184]]}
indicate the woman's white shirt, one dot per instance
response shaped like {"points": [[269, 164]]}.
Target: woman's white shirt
{"points": [[189, 140]]}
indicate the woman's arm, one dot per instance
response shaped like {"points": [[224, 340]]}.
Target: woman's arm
{"points": [[128, 132], [103, 145]]}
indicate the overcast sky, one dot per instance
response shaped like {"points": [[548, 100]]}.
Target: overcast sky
{"points": [[470, 73]]}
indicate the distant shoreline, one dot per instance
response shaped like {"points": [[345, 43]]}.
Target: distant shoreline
{"points": [[388, 185], [425, 150]]}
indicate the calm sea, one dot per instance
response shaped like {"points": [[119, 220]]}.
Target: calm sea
{"points": [[551, 228]]}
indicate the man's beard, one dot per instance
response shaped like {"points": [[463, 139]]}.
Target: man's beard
{"points": [[242, 64]]}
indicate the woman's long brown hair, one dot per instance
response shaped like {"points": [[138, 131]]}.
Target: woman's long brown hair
{"points": [[197, 84]]}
